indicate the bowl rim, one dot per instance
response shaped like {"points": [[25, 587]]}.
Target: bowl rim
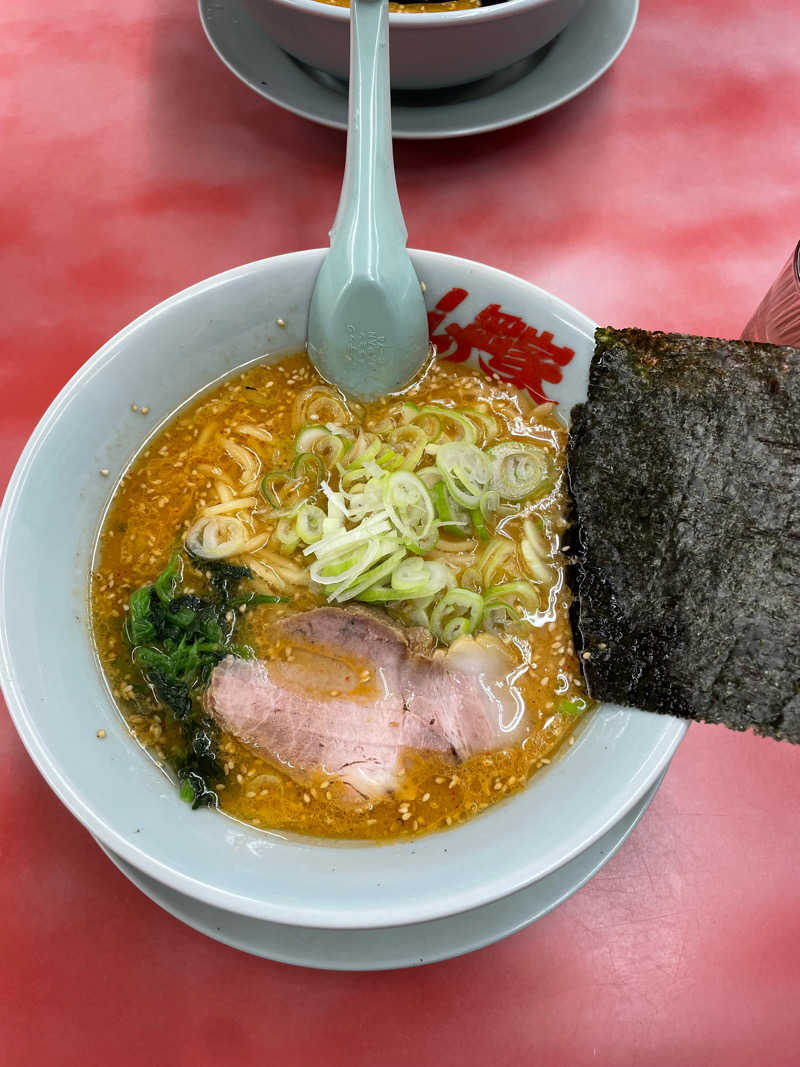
{"points": [[493, 887], [493, 13]]}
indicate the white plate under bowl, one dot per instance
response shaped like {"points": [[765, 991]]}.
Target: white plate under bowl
{"points": [[396, 946], [59, 700], [581, 53]]}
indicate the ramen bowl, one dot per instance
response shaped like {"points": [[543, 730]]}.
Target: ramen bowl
{"points": [[430, 50], [66, 716]]}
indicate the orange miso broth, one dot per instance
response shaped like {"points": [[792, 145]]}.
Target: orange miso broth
{"points": [[231, 523]]}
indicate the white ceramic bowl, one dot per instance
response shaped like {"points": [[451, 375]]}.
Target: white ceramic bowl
{"points": [[428, 51], [58, 698]]}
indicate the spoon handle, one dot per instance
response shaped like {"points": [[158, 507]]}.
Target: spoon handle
{"points": [[369, 212]]}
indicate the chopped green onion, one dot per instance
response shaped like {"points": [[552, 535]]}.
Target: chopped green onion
{"points": [[497, 553], [488, 422], [287, 535], [464, 427], [516, 594], [489, 503], [309, 467], [329, 447], [409, 441], [310, 523], [458, 613], [346, 565], [479, 524], [351, 590], [466, 471], [320, 404], [187, 791], [407, 411], [409, 505], [519, 469], [430, 422], [341, 538], [426, 543], [271, 484], [417, 577], [448, 511], [362, 452], [307, 436], [389, 460], [535, 550], [430, 476], [575, 706]]}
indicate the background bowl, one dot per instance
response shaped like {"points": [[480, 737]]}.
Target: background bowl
{"points": [[428, 51], [58, 698]]}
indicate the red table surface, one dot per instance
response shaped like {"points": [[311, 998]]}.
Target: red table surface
{"points": [[666, 196]]}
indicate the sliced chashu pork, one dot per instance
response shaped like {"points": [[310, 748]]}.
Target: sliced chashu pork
{"points": [[358, 692]]}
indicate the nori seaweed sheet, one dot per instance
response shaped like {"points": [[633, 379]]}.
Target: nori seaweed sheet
{"points": [[684, 470]]}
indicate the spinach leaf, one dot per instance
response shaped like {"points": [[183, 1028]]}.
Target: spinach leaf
{"points": [[177, 639]]}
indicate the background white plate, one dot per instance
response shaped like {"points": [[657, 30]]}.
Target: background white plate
{"points": [[580, 54]]}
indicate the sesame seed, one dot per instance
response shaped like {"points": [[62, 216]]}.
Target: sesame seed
{"points": [[425, 798], [144, 411], [280, 322], [104, 471], [306, 798], [134, 407], [406, 816], [239, 779], [101, 734]]}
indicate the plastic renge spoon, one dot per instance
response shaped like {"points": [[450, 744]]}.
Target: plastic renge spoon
{"points": [[367, 328]]}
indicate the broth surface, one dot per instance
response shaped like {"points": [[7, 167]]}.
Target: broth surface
{"points": [[212, 455]]}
